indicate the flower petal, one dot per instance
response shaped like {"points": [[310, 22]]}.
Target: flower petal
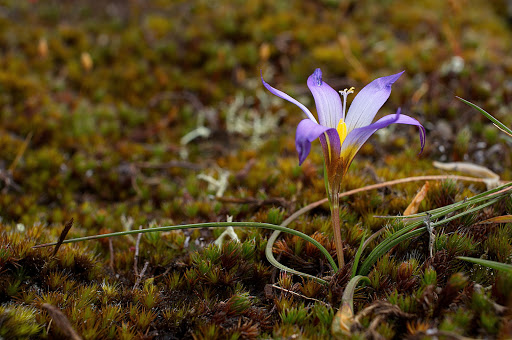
{"points": [[283, 95], [368, 101], [357, 137], [327, 100], [330, 141], [331, 145], [307, 132]]}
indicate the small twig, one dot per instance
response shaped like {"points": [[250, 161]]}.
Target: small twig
{"points": [[242, 174], [111, 250], [373, 236], [49, 326], [20, 153], [415, 179], [382, 308], [171, 164], [389, 183], [349, 56], [135, 186], [136, 257], [300, 295], [365, 312], [6, 177], [371, 332], [62, 236], [164, 273], [430, 230], [502, 190], [313, 205], [434, 333], [189, 96], [249, 200], [139, 277]]}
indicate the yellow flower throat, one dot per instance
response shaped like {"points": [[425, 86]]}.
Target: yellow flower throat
{"points": [[342, 130]]}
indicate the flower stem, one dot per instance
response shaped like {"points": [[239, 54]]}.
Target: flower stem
{"points": [[335, 215]]}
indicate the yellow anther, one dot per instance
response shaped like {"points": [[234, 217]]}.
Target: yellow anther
{"points": [[342, 130], [346, 92]]}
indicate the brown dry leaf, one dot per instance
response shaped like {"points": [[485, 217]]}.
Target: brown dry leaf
{"points": [[264, 51], [61, 321], [42, 48], [468, 168], [86, 60], [342, 322], [417, 326], [499, 219], [423, 89], [491, 179], [415, 204], [499, 128]]}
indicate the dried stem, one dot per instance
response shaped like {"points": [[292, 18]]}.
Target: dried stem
{"points": [[141, 275], [111, 250], [300, 295], [136, 257], [62, 236], [20, 153]]}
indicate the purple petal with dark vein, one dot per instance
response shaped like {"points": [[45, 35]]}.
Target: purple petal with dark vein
{"points": [[283, 95], [327, 100], [357, 137], [334, 145], [307, 132], [368, 101]]}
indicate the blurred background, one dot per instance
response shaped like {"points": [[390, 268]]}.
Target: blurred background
{"points": [[150, 108], [130, 114]]}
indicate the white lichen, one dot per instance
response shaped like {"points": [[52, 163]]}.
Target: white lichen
{"points": [[229, 232], [220, 184]]}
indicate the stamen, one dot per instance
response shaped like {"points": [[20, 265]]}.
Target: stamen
{"points": [[345, 94]]}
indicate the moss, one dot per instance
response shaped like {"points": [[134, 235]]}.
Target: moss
{"points": [[103, 147], [19, 322]]}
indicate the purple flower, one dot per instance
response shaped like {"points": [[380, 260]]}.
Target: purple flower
{"points": [[342, 135]]}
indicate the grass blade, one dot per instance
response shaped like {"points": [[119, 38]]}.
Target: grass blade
{"points": [[408, 232], [211, 225], [486, 263], [499, 124]]}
